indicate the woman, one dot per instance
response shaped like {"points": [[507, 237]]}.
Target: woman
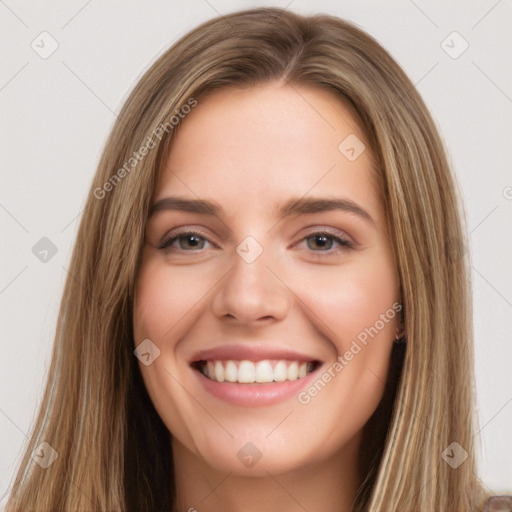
{"points": [[274, 231]]}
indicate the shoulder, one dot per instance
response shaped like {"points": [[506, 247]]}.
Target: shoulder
{"points": [[498, 503]]}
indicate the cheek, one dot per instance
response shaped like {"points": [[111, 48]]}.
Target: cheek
{"points": [[351, 298], [165, 299], [164, 311], [352, 306], [154, 308], [355, 306]]}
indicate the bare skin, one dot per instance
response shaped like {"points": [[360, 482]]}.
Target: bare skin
{"points": [[250, 151]]}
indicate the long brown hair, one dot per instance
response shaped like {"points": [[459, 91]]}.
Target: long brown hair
{"points": [[113, 449]]}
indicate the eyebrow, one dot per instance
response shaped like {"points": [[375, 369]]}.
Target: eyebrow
{"points": [[296, 206]]}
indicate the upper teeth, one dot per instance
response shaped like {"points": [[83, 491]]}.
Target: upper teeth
{"points": [[246, 372]]}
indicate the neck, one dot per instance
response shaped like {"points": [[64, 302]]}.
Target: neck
{"points": [[327, 485]]}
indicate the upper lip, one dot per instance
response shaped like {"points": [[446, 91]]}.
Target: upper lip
{"points": [[239, 352]]}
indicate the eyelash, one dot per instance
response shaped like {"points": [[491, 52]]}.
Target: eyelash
{"points": [[345, 244]]}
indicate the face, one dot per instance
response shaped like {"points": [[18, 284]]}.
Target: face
{"points": [[267, 282]]}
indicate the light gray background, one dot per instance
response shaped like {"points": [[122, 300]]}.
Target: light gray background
{"points": [[56, 114]]}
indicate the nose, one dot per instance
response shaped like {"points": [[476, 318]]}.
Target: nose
{"points": [[252, 293]]}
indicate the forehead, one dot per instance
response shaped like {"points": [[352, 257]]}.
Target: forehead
{"points": [[256, 146]]}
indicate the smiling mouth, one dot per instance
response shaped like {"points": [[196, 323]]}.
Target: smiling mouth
{"points": [[255, 372]]}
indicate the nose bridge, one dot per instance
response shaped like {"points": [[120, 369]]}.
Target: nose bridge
{"points": [[251, 291]]}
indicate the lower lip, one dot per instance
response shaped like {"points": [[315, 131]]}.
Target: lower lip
{"points": [[255, 395]]}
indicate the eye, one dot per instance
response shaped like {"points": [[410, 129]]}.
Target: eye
{"points": [[189, 241], [193, 241], [324, 241]]}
